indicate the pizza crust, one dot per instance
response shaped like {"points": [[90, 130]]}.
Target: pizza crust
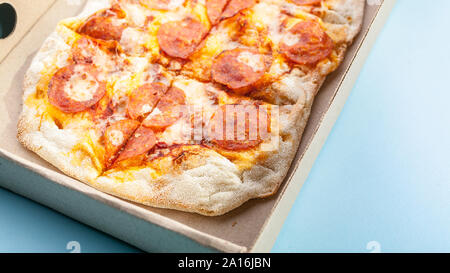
{"points": [[44, 137], [210, 186], [214, 186], [349, 12]]}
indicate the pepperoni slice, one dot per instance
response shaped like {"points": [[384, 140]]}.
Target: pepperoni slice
{"points": [[306, 43], [307, 2], [106, 25], [102, 111], [170, 109], [239, 68], [180, 39], [228, 136], [140, 143], [86, 50], [144, 99], [76, 87], [83, 51], [235, 6], [163, 120], [214, 9], [116, 136], [162, 4], [175, 96]]}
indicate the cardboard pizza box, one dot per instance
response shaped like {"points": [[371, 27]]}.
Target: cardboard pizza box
{"points": [[251, 228]]}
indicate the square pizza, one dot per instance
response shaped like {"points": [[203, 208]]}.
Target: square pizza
{"points": [[193, 105]]}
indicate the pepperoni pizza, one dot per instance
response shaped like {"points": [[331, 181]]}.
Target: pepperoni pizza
{"points": [[194, 105]]}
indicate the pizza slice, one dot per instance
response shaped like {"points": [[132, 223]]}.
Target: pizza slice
{"points": [[283, 43], [206, 150], [136, 25], [270, 47], [83, 100]]}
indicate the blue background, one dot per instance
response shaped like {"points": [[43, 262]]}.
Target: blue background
{"points": [[382, 180]]}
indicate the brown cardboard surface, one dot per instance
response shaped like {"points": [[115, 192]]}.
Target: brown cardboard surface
{"points": [[236, 231], [28, 12]]}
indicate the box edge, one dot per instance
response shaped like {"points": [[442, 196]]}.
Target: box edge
{"points": [[275, 222]]}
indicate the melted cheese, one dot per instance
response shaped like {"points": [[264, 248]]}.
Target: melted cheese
{"points": [[195, 91], [130, 78], [199, 103], [154, 113], [255, 61], [178, 133], [146, 108], [82, 86], [290, 39], [134, 41], [136, 14], [173, 4], [116, 137], [268, 16]]}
